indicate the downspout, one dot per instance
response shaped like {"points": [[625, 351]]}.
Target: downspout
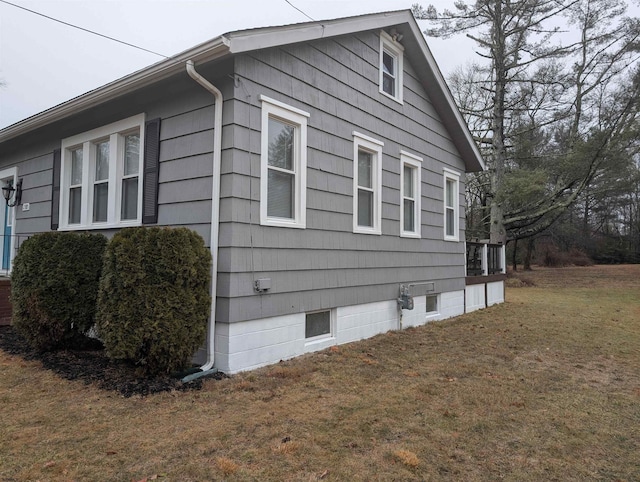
{"points": [[215, 215]]}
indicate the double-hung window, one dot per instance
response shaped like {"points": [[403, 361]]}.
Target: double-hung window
{"points": [[367, 184], [101, 185], [75, 187], [101, 182], [283, 163], [391, 67], [410, 182], [451, 205], [130, 177]]}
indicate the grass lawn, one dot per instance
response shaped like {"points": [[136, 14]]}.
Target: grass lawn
{"points": [[543, 387]]}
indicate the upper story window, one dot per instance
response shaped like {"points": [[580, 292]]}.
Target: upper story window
{"points": [[367, 184], [391, 67], [410, 182], [101, 185], [451, 205], [283, 162]]}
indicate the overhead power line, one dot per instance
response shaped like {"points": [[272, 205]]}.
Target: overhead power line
{"points": [[312, 19], [85, 29]]}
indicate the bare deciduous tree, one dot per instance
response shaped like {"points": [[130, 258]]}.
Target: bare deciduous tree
{"points": [[545, 114]]}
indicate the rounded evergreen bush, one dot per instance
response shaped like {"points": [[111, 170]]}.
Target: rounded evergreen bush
{"points": [[154, 301], [54, 287]]}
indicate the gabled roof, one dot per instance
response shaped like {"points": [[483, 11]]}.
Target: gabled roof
{"points": [[241, 41]]}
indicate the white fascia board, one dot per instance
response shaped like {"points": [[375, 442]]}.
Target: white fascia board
{"points": [[261, 38], [203, 52]]}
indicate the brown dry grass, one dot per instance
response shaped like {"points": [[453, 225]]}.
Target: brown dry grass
{"points": [[543, 387]]}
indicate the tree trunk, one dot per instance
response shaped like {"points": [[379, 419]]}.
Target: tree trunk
{"points": [[531, 244], [585, 222], [497, 232]]}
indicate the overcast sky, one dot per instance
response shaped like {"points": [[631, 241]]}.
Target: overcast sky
{"points": [[44, 63]]}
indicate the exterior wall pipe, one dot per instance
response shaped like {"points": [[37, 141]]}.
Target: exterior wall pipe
{"points": [[215, 207]]}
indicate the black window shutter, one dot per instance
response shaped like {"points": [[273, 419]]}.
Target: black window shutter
{"points": [[151, 171], [55, 191]]}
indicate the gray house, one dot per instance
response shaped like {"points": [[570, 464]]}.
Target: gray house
{"points": [[323, 163]]}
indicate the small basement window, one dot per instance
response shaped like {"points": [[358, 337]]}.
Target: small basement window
{"points": [[317, 324], [432, 304]]}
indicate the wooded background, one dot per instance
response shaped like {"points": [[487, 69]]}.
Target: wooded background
{"points": [[552, 102]]}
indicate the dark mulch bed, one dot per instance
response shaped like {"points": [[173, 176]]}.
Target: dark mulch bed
{"points": [[92, 366]]}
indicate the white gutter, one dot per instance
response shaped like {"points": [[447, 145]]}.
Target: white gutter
{"points": [[215, 206]]}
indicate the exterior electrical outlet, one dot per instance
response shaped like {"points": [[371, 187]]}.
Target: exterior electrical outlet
{"points": [[263, 284]]}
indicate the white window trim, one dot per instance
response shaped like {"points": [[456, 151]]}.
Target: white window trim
{"points": [[315, 340], [87, 140], [396, 50], [433, 314], [454, 176], [289, 114], [414, 162], [374, 146]]}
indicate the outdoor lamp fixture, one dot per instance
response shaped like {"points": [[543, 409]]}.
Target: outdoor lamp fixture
{"points": [[8, 192]]}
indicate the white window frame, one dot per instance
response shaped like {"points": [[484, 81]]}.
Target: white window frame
{"points": [[395, 50], [431, 314], [365, 143], [290, 115], [323, 336], [454, 177], [415, 163], [114, 133]]}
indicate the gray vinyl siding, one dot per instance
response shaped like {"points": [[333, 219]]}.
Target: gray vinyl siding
{"points": [[186, 148], [326, 265], [36, 190]]}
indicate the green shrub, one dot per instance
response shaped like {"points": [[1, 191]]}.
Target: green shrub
{"points": [[54, 287], [154, 301]]}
